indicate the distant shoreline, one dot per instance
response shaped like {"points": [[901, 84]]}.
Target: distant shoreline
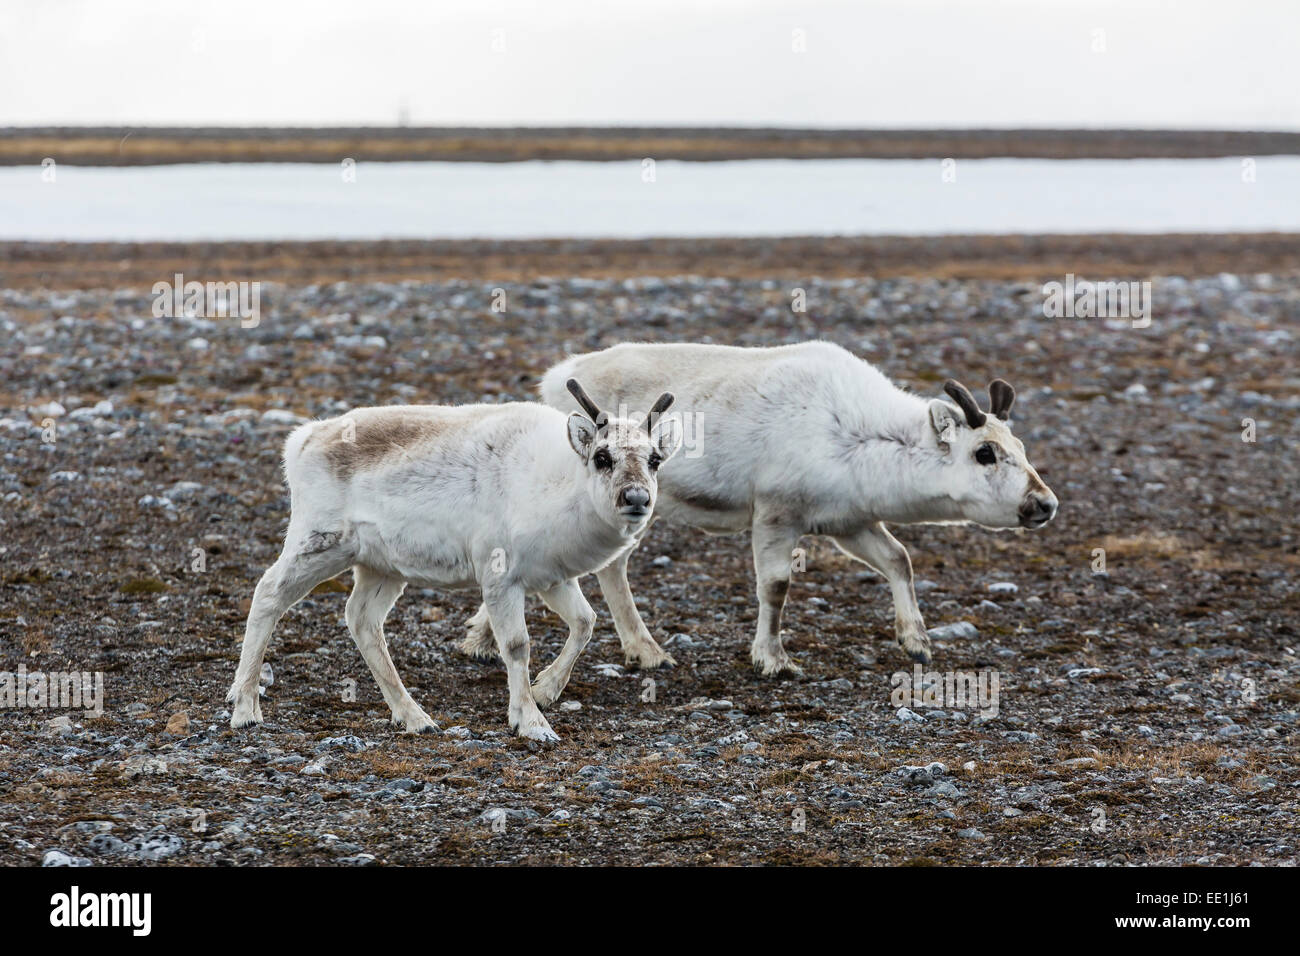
{"points": [[1032, 258], [151, 146]]}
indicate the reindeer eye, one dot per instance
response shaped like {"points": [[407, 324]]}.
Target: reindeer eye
{"points": [[655, 461], [985, 454], [602, 460]]}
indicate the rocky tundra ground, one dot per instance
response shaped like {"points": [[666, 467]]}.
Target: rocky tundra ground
{"points": [[1144, 643]]}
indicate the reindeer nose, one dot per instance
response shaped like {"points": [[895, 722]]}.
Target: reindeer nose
{"points": [[1038, 510], [634, 498]]}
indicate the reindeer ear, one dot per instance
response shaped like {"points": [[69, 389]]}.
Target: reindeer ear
{"points": [[582, 434], [667, 436], [945, 421]]}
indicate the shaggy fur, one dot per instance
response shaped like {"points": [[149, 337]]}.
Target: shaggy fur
{"points": [[807, 439]]}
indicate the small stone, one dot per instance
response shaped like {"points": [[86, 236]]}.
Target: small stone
{"points": [[945, 789], [48, 410], [1076, 672], [915, 776], [961, 630], [162, 847], [179, 724], [184, 489], [1082, 763], [61, 725], [59, 858], [281, 416]]}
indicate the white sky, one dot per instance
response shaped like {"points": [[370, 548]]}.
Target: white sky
{"points": [[913, 63]]}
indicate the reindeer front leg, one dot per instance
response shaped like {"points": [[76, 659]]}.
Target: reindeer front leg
{"points": [[639, 647], [880, 549], [505, 607], [774, 542], [567, 601]]}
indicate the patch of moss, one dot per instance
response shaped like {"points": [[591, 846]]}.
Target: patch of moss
{"points": [[143, 586]]}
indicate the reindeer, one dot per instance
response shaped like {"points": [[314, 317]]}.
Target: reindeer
{"points": [[808, 439], [483, 496]]}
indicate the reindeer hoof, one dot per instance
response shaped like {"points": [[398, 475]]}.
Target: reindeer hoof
{"points": [[244, 714], [416, 722], [917, 648], [544, 695], [479, 647], [648, 661], [781, 666], [538, 729]]}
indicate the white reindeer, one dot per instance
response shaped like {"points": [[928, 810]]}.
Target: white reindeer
{"points": [[809, 439], [478, 495]]}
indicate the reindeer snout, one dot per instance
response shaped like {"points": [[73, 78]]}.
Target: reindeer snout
{"points": [[634, 500], [1037, 510]]}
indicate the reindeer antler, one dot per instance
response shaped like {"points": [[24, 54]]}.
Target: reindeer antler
{"points": [[966, 401], [1001, 397], [591, 408], [660, 406]]}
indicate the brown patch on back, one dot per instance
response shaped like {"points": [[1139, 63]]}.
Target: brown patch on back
{"points": [[371, 439]]}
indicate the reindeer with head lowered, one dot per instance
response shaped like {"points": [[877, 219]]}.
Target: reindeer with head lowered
{"points": [[808, 439]]}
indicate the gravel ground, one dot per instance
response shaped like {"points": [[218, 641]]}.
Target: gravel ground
{"points": [[1145, 715]]}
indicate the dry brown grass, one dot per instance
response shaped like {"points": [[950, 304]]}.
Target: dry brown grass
{"points": [[146, 146], [1165, 546], [1181, 760], [1030, 258]]}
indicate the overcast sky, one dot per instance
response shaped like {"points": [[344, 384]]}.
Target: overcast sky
{"points": [[914, 63]]}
